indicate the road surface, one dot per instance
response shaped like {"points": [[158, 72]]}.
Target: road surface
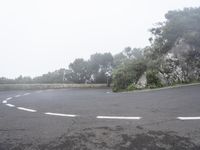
{"points": [[73, 118]]}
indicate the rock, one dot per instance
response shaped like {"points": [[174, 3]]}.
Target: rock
{"points": [[142, 82], [163, 78]]}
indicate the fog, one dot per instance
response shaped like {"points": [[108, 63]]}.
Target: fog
{"points": [[44, 35]]}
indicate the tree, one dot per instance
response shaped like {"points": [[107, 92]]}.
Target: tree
{"points": [[179, 26], [101, 66], [79, 71], [56, 76], [119, 59]]}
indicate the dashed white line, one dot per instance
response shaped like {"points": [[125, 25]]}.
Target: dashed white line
{"points": [[17, 96], [9, 98], [27, 94], [188, 118], [118, 117], [10, 105], [58, 114], [4, 102], [72, 115], [26, 109]]}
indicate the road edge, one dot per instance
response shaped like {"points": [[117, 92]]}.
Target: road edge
{"points": [[163, 88]]}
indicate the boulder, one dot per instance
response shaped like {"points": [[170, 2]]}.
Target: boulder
{"points": [[142, 82]]}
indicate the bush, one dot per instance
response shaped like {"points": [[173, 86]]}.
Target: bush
{"points": [[121, 79], [131, 87], [152, 80], [128, 74]]}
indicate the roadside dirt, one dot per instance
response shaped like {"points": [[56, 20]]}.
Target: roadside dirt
{"points": [[108, 138]]}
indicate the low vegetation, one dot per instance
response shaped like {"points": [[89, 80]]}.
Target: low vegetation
{"points": [[4, 87]]}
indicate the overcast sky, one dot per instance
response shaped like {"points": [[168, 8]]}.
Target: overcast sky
{"points": [[37, 36]]}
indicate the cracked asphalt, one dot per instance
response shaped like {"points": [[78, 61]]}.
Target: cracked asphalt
{"points": [[158, 129]]}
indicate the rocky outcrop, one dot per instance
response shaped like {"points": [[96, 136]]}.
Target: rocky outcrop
{"points": [[142, 82], [180, 64]]}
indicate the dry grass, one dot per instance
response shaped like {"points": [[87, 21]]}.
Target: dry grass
{"points": [[4, 87]]}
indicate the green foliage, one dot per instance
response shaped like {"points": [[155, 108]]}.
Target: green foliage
{"points": [[152, 79], [50, 77], [97, 69], [101, 66], [119, 59], [180, 35], [128, 74], [79, 71], [182, 25], [121, 79], [126, 55], [131, 87]]}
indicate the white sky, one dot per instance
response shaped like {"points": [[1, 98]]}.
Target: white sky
{"points": [[37, 36]]}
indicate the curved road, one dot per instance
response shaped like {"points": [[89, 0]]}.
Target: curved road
{"points": [[100, 119]]}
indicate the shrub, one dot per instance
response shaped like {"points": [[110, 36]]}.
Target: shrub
{"points": [[131, 87], [152, 80], [121, 79], [128, 74]]}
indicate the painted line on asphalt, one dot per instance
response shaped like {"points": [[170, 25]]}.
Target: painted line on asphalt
{"points": [[26, 109], [17, 96], [9, 98], [119, 117], [27, 94], [10, 105], [4, 102], [59, 114], [73, 115], [188, 118]]}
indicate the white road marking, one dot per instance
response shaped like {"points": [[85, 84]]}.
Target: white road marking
{"points": [[188, 118], [4, 102], [10, 105], [27, 94], [58, 114], [72, 115], [118, 117], [17, 95], [26, 109], [9, 98]]}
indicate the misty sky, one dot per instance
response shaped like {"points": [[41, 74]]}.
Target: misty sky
{"points": [[37, 36]]}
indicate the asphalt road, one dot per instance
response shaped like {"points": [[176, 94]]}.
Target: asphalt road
{"points": [[99, 119]]}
